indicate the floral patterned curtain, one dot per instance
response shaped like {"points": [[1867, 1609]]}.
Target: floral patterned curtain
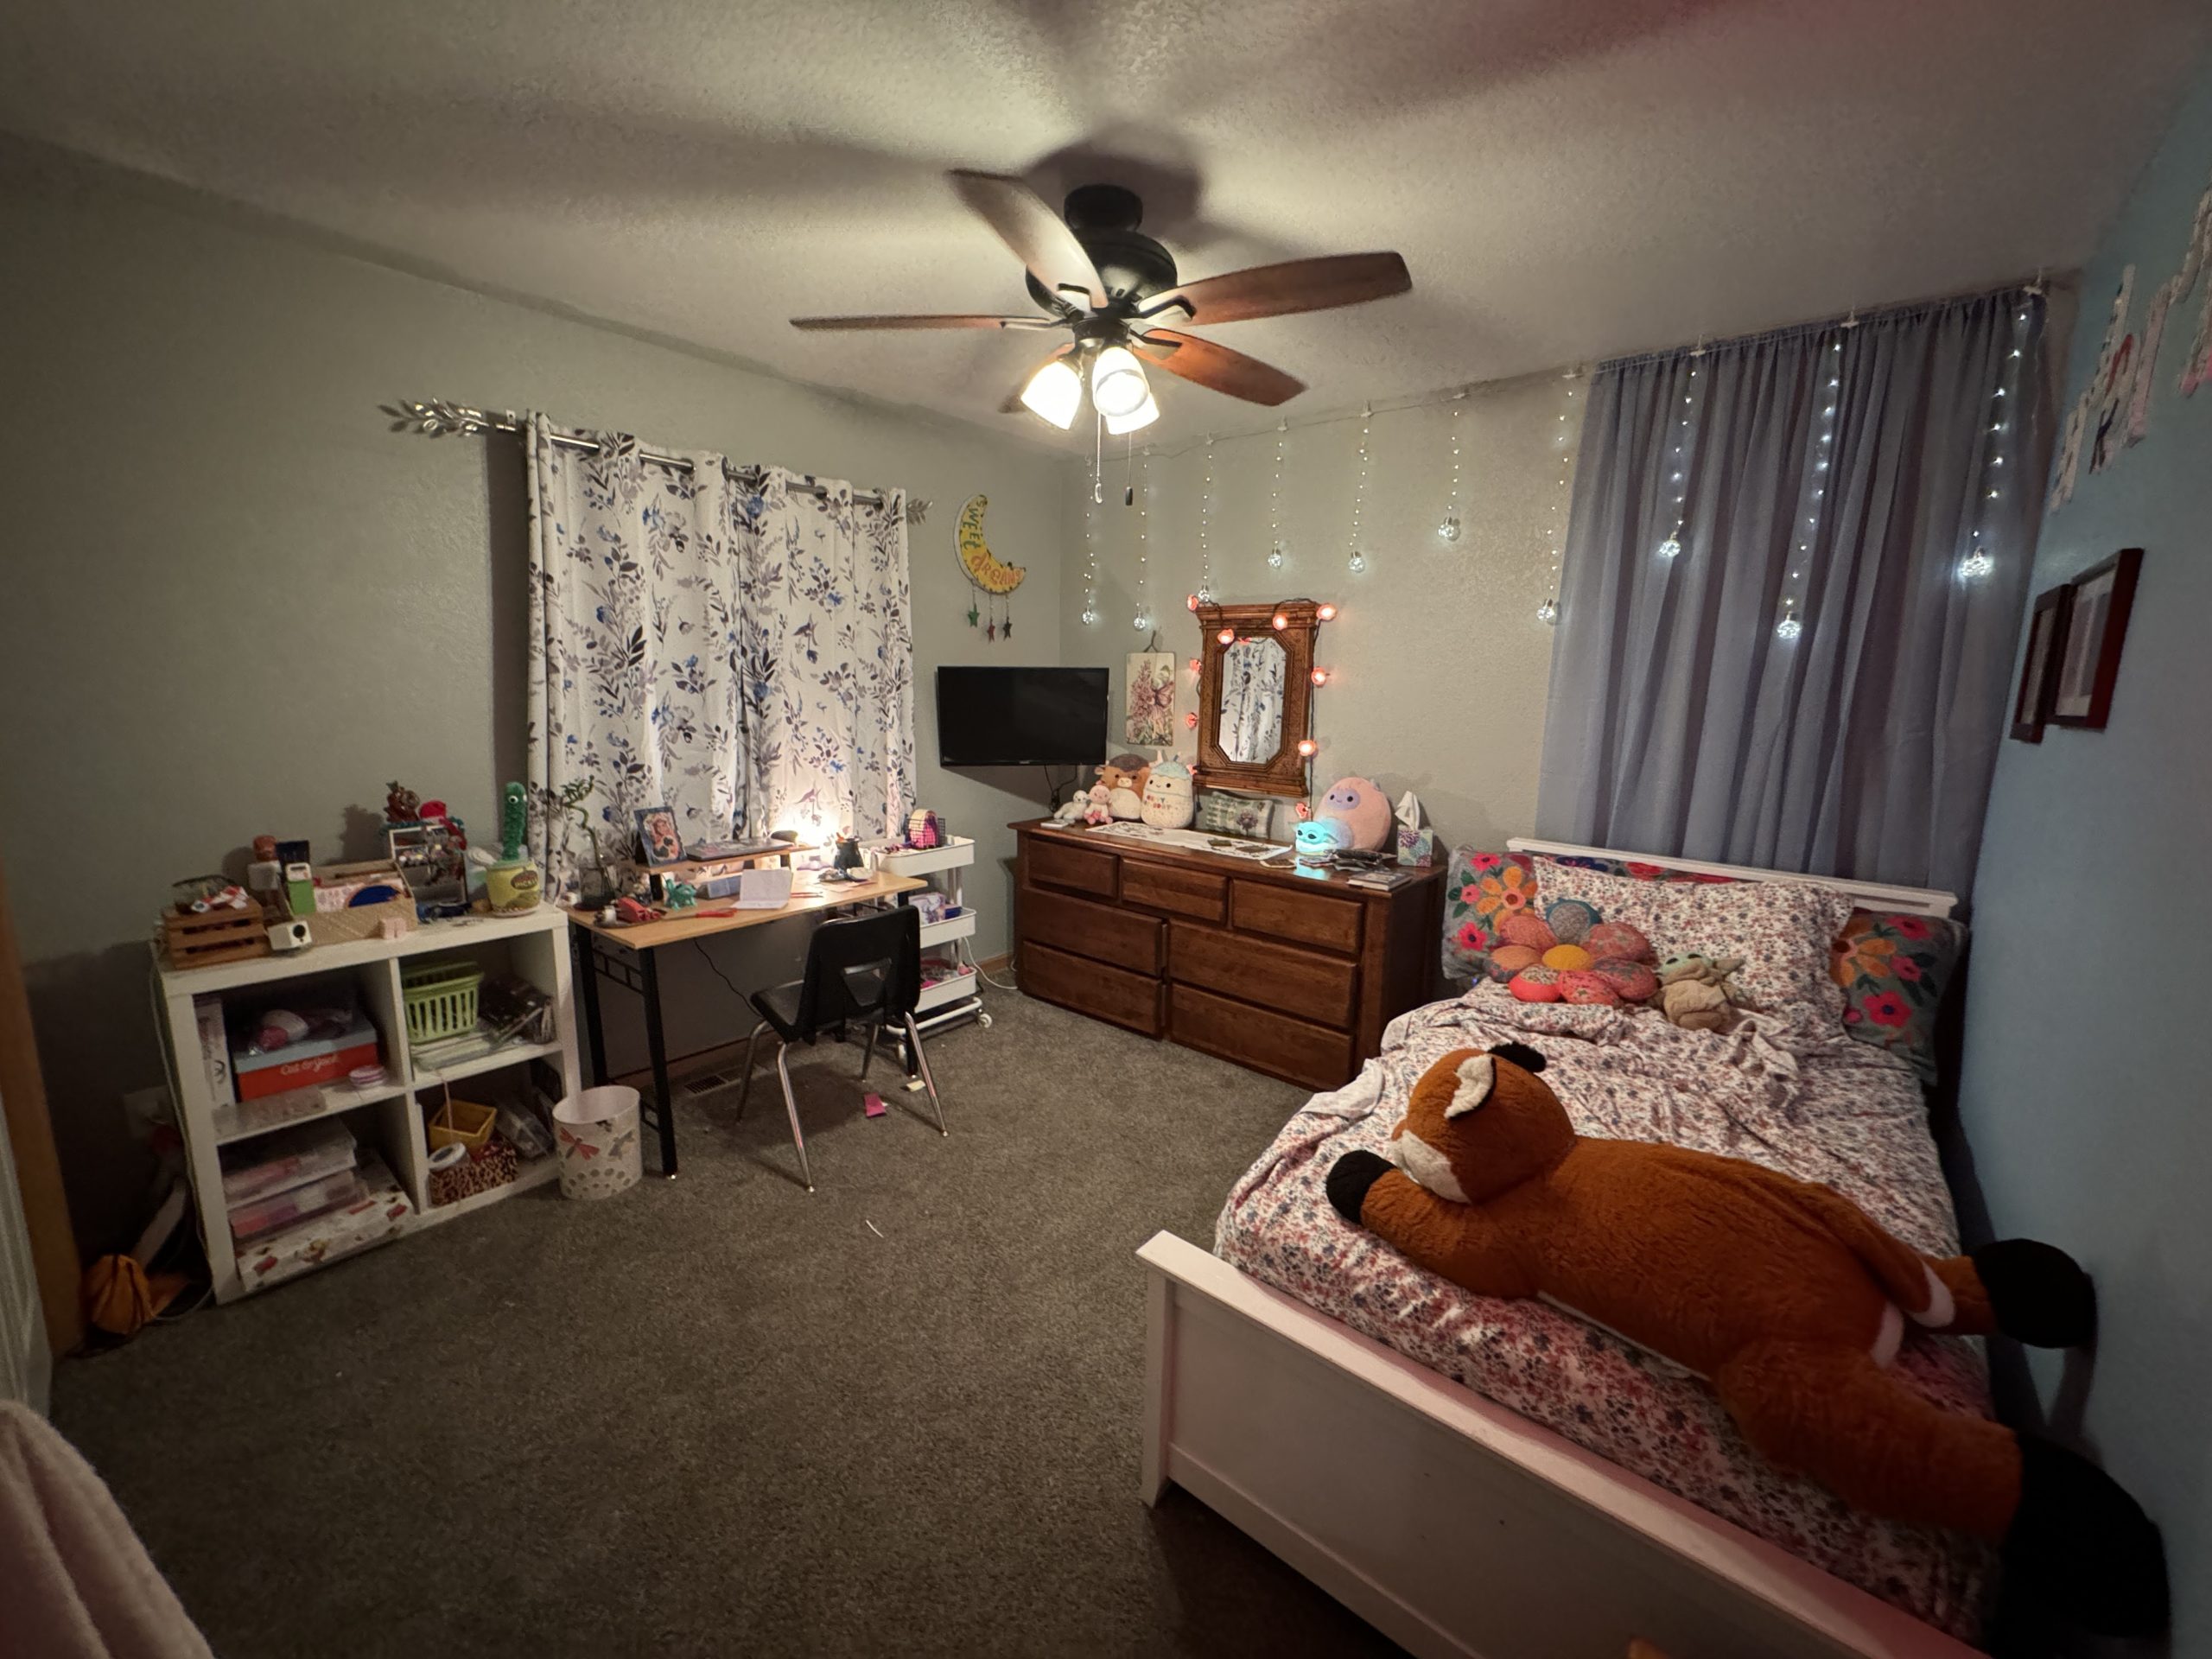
{"points": [[714, 640], [826, 654]]}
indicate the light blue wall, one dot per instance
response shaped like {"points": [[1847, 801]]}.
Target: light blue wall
{"points": [[2086, 1084]]}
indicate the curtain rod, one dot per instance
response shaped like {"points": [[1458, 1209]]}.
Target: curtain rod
{"points": [[438, 418]]}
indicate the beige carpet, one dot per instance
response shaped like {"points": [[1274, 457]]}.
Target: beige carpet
{"points": [[719, 1415]]}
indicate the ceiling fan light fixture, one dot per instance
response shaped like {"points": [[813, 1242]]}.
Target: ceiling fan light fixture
{"points": [[1118, 387], [1144, 416], [1054, 393]]}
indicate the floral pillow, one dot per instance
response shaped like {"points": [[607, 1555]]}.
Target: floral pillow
{"points": [[1892, 970], [1781, 930], [1481, 890]]}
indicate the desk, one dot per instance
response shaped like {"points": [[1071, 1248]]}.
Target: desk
{"points": [[627, 955]]}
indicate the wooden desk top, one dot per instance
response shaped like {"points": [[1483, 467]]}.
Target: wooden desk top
{"points": [[809, 894]]}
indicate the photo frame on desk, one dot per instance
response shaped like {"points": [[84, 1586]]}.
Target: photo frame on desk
{"points": [[659, 842], [2096, 629]]}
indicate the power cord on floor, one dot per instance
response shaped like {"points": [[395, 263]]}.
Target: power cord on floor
{"points": [[987, 980]]}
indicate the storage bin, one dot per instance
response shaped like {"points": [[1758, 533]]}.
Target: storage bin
{"points": [[595, 1134], [461, 1123], [440, 998]]}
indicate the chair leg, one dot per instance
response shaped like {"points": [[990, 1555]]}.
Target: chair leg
{"points": [[790, 1105], [867, 1054], [922, 1060], [752, 1042]]}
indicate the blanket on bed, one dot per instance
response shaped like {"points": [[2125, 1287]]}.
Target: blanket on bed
{"points": [[1787, 1090]]}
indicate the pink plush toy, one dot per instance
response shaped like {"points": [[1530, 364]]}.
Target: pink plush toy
{"points": [[1360, 805], [1101, 807]]}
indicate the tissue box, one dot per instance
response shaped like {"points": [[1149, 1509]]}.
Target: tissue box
{"points": [[1417, 846]]}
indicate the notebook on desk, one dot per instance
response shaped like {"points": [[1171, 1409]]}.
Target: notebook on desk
{"points": [[768, 889]]}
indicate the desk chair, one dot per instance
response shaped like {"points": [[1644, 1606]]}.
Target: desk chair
{"points": [[866, 968]]}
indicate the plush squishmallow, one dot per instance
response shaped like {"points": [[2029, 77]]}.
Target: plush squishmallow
{"points": [[1124, 777], [1169, 803], [1782, 1294], [1361, 806]]}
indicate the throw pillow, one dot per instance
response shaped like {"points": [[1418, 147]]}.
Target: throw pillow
{"points": [[1781, 929], [1481, 891], [1892, 970]]}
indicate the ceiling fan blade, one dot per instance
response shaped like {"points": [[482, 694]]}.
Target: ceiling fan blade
{"points": [[1217, 367], [1039, 237], [1279, 290], [923, 322], [1013, 405]]}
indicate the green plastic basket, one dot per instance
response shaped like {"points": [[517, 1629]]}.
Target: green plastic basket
{"points": [[440, 998]]}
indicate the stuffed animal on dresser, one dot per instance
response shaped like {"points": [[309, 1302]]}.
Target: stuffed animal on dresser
{"points": [[1781, 1294], [1360, 805], [1695, 992], [1169, 803], [1125, 776]]}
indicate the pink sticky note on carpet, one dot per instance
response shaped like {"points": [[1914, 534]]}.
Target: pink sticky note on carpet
{"points": [[874, 1105]]}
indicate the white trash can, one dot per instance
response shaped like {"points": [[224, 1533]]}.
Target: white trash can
{"points": [[596, 1137]]}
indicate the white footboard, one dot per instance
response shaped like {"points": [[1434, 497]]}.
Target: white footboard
{"points": [[1453, 1525]]}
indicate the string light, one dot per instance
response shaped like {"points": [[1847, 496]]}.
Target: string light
{"points": [[1790, 625], [1547, 608], [1449, 529], [1978, 564], [1089, 563], [1671, 549], [1274, 501], [1144, 543], [1204, 595], [1358, 559]]}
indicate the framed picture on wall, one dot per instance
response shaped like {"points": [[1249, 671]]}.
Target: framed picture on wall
{"points": [[1149, 721], [2040, 667], [2097, 627]]}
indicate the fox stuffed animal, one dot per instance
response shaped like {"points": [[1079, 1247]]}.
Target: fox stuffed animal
{"points": [[1781, 1294]]}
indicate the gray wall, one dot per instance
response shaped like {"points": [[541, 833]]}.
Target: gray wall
{"points": [[1438, 661], [238, 603], [2083, 1090]]}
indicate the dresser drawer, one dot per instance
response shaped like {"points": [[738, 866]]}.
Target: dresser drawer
{"points": [[1126, 938], [1309, 918], [1282, 1047], [1092, 988], [1056, 864], [1170, 886], [1301, 982]]}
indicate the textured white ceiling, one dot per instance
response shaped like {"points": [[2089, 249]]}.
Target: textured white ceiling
{"points": [[1565, 180]]}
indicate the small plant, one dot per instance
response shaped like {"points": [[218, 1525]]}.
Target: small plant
{"points": [[570, 797]]}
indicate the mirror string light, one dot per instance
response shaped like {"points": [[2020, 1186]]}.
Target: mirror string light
{"points": [[1144, 541], [1978, 562], [1547, 608], [1274, 501]]}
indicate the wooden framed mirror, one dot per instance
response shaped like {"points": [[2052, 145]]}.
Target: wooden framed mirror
{"points": [[1255, 691]]}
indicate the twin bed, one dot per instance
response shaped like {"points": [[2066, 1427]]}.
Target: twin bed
{"points": [[1478, 1477]]}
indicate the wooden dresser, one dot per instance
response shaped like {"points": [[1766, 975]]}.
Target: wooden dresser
{"points": [[1290, 975]]}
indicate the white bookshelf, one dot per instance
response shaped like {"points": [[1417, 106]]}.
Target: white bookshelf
{"points": [[951, 1000], [390, 1117]]}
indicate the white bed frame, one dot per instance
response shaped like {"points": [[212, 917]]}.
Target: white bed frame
{"points": [[1451, 1525]]}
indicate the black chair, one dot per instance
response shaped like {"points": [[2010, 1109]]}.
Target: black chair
{"points": [[865, 970]]}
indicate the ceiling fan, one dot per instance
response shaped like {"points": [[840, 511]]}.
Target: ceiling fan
{"points": [[1107, 284]]}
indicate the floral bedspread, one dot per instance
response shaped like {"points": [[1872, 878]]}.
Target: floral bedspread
{"points": [[1786, 1089]]}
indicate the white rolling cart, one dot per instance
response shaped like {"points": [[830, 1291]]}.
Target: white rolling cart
{"points": [[953, 999], [389, 1116]]}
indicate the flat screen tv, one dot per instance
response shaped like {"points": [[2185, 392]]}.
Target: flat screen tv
{"points": [[1020, 717]]}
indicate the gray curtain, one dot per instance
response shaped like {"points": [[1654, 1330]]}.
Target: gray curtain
{"points": [[1836, 476]]}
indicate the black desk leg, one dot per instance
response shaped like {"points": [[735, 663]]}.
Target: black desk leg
{"points": [[663, 1097], [586, 973]]}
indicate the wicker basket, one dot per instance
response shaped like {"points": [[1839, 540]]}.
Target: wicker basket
{"points": [[440, 998]]}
